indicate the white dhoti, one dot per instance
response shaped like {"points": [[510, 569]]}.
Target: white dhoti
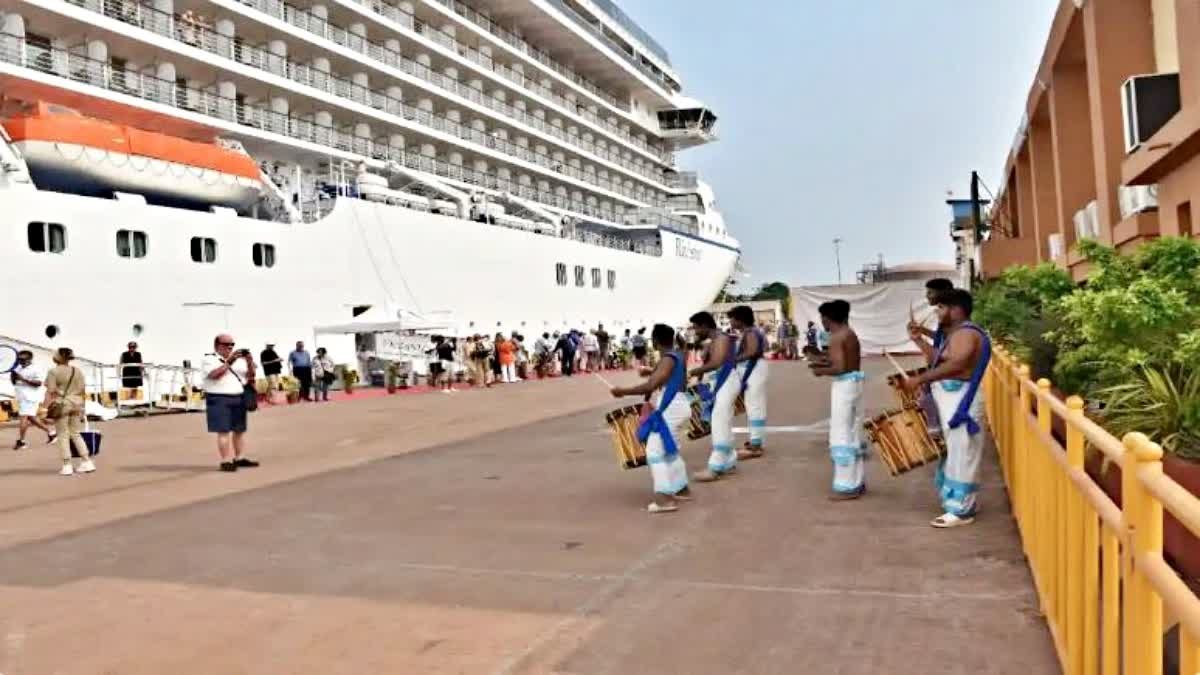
{"points": [[723, 457], [957, 477], [845, 433], [756, 401], [669, 472]]}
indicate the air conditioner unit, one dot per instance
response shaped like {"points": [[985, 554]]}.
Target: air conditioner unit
{"points": [[1087, 222], [1147, 103], [1137, 198], [1057, 250]]}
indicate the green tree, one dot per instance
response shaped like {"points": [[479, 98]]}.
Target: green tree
{"points": [[776, 290]]}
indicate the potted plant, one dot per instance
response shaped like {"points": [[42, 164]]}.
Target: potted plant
{"points": [[349, 378], [291, 388], [392, 374]]}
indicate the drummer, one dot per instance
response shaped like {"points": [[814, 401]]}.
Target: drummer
{"points": [[752, 368], [844, 365], [933, 288], [958, 366], [671, 413], [720, 394]]}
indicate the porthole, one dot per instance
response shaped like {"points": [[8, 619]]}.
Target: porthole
{"points": [[52, 331], [137, 330]]}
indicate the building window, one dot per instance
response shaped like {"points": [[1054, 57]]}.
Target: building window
{"points": [[595, 277], [264, 255], [204, 250], [579, 278], [560, 274], [612, 279], [131, 244], [47, 237]]}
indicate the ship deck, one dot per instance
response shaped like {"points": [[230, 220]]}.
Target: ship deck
{"points": [[492, 532]]}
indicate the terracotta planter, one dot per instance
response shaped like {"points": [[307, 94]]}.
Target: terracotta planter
{"points": [[1180, 546], [293, 397]]}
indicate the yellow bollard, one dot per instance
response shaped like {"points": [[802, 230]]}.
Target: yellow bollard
{"points": [[1049, 530]]}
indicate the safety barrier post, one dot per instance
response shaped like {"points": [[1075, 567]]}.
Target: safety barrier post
{"points": [[1018, 423], [1143, 622], [1048, 528], [1082, 574]]}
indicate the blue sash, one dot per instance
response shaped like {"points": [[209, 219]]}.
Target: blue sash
{"points": [[656, 423], [962, 415], [708, 395], [762, 345]]}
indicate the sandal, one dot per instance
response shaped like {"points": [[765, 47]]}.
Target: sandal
{"points": [[949, 520], [655, 507]]}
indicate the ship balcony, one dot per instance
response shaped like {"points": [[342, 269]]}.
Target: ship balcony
{"points": [[195, 31], [480, 57], [688, 127], [384, 107], [259, 126]]}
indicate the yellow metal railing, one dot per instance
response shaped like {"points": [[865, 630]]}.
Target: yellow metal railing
{"points": [[1099, 569]]}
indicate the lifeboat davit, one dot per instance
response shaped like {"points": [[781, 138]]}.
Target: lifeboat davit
{"points": [[69, 152]]}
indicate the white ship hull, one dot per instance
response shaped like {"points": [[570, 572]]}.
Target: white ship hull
{"points": [[486, 277]]}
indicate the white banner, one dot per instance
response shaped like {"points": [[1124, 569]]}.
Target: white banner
{"points": [[397, 347], [878, 313]]}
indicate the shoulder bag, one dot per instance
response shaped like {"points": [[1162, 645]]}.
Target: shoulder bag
{"points": [[249, 392], [55, 410]]}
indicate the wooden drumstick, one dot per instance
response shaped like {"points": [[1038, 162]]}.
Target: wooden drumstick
{"points": [[903, 372]]}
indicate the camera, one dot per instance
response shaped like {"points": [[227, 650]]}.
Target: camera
{"points": [[242, 352]]}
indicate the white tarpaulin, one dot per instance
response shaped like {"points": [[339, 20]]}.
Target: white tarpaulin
{"points": [[879, 313]]}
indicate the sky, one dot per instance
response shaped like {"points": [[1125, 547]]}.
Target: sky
{"points": [[849, 119]]}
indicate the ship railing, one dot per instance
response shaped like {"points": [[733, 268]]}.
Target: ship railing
{"points": [[192, 31], [163, 386], [323, 28], [209, 102]]}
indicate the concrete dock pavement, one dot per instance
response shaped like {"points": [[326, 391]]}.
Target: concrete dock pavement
{"points": [[491, 532]]}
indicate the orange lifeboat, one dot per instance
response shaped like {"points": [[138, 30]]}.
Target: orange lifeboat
{"points": [[69, 152]]}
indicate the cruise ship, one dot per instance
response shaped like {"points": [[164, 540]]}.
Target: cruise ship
{"points": [[170, 169]]}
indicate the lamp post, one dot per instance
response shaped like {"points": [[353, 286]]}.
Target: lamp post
{"points": [[837, 254]]}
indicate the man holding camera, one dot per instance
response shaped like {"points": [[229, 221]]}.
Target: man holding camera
{"points": [[226, 373]]}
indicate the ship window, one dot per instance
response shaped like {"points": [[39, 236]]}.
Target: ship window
{"points": [[47, 237], [579, 278], [131, 244], [560, 274], [264, 255], [204, 250], [39, 52], [595, 277], [612, 279]]}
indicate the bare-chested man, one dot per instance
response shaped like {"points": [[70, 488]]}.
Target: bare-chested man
{"points": [[843, 363], [958, 364], [721, 392]]}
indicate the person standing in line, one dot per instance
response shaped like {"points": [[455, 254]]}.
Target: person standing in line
{"points": [[719, 395], [323, 374], [810, 338], [844, 365], [591, 351], [958, 365], [300, 361], [480, 353], [522, 356], [565, 348], [497, 370], [132, 370], [671, 413], [638, 345], [752, 369], [445, 355], [65, 389], [543, 357], [605, 342], [272, 366], [506, 354], [226, 374], [27, 380]]}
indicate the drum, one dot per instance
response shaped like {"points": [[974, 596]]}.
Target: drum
{"points": [[902, 440], [698, 427], [624, 423], [904, 397]]}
